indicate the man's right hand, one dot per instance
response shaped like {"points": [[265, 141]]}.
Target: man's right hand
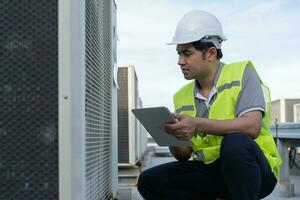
{"points": [[181, 153]]}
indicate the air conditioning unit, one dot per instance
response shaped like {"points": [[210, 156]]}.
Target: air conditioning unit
{"points": [[142, 141], [114, 108], [129, 135], [283, 110], [297, 113], [57, 100]]}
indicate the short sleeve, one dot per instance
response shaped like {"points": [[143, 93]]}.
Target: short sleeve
{"points": [[251, 97]]}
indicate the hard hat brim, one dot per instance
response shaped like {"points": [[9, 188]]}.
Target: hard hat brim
{"points": [[179, 42], [174, 42]]}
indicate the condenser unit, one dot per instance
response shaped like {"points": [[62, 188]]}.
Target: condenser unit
{"points": [[57, 99], [129, 135]]}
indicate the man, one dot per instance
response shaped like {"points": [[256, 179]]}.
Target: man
{"points": [[225, 112]]}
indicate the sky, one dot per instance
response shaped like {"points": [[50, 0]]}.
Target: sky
{"points": [[265, 32]]}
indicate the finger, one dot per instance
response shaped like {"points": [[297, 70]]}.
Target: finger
{"points": [[174, 117], [174, 127], [178, 136], [167, 130], [178, 116], [180, 132], [184, 132]]}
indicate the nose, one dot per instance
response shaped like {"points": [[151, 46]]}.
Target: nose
{"points": [[181, 61]]}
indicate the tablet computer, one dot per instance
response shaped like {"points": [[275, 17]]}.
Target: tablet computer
{"points": [[153, 120]]}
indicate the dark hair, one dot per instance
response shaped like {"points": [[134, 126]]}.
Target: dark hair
{"points": [[204, 46]]}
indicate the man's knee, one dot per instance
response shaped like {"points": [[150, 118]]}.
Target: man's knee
{"points": [[236, 146], [150, 183], [142, 181]]}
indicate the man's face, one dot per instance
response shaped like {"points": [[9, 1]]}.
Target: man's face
{"points": [[192, 62]]}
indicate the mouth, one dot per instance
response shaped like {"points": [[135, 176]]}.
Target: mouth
{"points": [[185, 71]]}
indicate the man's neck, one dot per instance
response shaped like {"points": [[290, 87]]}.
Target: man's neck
{"points": [[207, 83]]}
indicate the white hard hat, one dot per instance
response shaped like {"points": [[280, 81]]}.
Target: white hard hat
{"points": [[198, 25]]}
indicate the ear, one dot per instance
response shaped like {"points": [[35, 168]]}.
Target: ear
{"points": [[211, 54]]}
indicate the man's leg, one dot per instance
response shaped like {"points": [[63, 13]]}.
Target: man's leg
{"points": [[246, 171], [182, 180]]}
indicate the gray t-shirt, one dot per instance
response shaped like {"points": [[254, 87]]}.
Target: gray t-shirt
{"points": [[251, 97]]}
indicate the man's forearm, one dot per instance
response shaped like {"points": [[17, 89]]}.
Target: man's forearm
{"points": [[249, 125]]}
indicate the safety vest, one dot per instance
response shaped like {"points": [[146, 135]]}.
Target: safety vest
{"points": [[229, 86]]}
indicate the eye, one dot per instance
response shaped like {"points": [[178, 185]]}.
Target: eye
{"points": [[187, 54]]}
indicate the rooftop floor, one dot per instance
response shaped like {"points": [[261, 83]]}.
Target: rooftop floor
{"points": [[159, 155]]}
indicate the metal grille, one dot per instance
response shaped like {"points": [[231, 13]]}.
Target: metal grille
{"points": [[123, 129], [98, 99], [28, 100]]}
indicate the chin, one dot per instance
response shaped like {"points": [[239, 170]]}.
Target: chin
{"points": [[188, 77]]}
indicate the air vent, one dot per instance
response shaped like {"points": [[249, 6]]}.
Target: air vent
{"points": [[98, 99], [28, 99]]}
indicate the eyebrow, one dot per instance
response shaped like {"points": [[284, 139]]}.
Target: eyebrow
{"points": [[184, 50]]}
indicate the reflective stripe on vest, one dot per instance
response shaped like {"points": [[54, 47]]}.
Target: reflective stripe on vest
{"points": [[228, 86]]}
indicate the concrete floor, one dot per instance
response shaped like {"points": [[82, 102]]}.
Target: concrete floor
{"points": [[158, 155], [162, 156], [295, 179]]}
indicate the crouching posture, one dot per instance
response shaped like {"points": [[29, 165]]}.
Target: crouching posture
{"points": [[225, 112]]}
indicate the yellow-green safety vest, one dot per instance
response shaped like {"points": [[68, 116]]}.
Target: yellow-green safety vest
{"points": [[229, 85]]}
